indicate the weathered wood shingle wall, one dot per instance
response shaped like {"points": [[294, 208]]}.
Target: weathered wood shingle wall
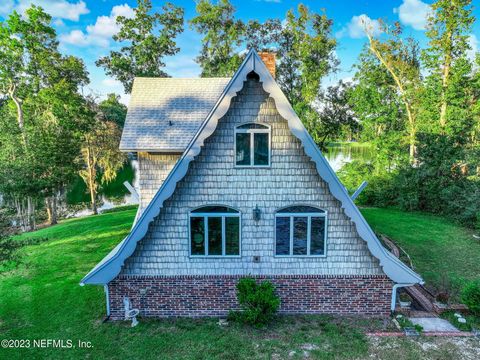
{"points": [[213, 179], [153, 170]]}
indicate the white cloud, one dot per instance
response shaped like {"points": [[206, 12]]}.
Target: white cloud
{"points": [[474, 46], [182, 66], [58, 22], [413, 13], [357, 25], [101, 32], [111, 82], [61, 9]]}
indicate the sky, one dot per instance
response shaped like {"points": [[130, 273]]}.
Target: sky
{"points": [[85, 29]]}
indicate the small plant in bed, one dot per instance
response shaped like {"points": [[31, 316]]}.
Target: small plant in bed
{"points": [[471, 297], [258, 302], [472, 321], [405, 323], [405, 300]]}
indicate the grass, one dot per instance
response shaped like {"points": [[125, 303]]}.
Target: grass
{"points": [[439, 249], [472, 323], [41, 299]]}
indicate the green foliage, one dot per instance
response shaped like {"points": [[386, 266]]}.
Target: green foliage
{"points": [[405, 322], [471, 296], [149, 38], [222, 34], [9, 257], [258, 302], [438, 114], [305, 54], [473, 322], [120, 208], [43, 115], [334, 118], [113, 110]]}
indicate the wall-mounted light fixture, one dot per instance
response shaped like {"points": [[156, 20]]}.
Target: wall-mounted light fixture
{"points": [[256, 213]]}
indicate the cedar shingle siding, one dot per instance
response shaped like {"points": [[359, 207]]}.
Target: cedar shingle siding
{"points": [[213, 179], [153, 169]]}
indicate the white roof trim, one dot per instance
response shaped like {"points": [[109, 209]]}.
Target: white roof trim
{"points": [[111, 265]]}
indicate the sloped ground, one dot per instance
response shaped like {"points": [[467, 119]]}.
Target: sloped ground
{"points": [[41, 299], [441, 251]]}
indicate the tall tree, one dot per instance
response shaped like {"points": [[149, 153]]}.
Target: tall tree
{"points": [[379, 109], [335, 115], [113, 110], [400, 57], [150, 37], [100, 157], [222, 34], [306, 54], [42, 103], [449, 26]]}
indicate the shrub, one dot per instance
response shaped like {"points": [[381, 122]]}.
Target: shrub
{"points": [[471, 296], [8, 247], [258, 302]]}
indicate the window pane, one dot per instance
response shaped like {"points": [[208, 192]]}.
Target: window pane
{"points": [[317, 240], [197, 235], [214, 236], [243, 149], [260, 142], [232, 234], [301, 209], [300, 235], [283, 236], [215, 209]]}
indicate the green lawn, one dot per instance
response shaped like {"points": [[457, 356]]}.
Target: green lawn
{"points": [[41, 299], [439, 249]]}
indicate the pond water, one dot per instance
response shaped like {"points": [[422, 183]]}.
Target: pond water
{"points": [[341, 154], [110, 195], [115, 194]]}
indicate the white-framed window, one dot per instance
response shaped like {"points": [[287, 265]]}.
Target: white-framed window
{"points": [[252, 145], [300, 231], [214, 231]]}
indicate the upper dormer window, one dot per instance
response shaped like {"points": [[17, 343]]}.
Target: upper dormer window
{"points": [[252, 145]]}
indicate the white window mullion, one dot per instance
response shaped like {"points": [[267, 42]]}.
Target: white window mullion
{"points": [[291, 235], [252, 148], [206, 234], [309, 235], [224, 233]]}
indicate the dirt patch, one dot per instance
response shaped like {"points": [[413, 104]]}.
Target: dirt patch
{"points": [[434, 348]]}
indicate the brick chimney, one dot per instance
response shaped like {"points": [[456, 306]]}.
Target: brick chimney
{"points": [[268, 58]]}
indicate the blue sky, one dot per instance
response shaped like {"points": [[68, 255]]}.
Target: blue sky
{"points": [[85, 28]]}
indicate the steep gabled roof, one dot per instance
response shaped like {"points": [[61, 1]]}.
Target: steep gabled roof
{"points": [[165, 113], [111, 265]]}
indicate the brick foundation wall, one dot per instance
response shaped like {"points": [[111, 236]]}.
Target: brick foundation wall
{"points": [[200, 296]]}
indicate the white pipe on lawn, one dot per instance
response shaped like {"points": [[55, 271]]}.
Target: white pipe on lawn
{"points": [[107, 298]]}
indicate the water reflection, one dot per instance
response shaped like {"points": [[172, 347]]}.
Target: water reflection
{"points": [[341, 154]]}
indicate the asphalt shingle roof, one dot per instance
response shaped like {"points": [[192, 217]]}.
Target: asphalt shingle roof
{"points": [[165, 113]]}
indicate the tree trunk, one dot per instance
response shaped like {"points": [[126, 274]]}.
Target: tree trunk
{"points": [[93, 198], [51, 206], [20, 117], [30, 214], [91, 182], [403, 94], [445, 79]]}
